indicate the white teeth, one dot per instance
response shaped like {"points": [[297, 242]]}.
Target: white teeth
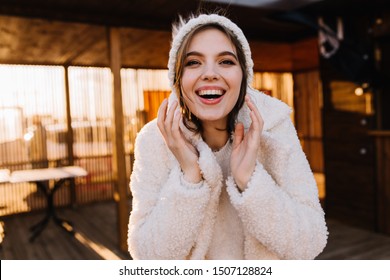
{"points": [[211, 92]]}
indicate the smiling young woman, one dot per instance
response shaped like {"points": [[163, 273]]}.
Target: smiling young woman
{"points": [[220, 174]]}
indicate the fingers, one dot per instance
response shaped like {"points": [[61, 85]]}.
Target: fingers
{"points": [[170, 115], [161, 114], [168, 121], [257, 120], [175, 128]]}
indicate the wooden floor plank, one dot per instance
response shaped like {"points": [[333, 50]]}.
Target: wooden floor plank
{"points": [[346, 242]]}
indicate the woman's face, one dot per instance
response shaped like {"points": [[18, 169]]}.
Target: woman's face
{"points": [[211, 77]]}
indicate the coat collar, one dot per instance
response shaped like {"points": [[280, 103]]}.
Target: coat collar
{"points": [[272, 110]]}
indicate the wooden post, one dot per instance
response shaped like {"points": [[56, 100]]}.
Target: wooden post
{"points": [[69, 136], [119, 158]]}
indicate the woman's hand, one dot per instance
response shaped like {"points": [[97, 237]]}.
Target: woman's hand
{"points": [[183, 150], [245, 147]]}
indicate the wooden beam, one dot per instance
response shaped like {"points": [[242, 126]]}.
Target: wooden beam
{"points": [[271, 57], [118, 160], [69, 136], [305, 55], [285, 57]]}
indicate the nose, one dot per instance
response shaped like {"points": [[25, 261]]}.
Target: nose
{"points": [[210, 73]]}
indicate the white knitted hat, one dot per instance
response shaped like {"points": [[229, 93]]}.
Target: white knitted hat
{"points": [[185, 28]]}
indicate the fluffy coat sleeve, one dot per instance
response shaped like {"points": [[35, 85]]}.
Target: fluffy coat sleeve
{"points": [[280, 207], [167, 212]]}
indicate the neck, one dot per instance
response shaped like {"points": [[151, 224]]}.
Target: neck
{"points": [[214, 136]]}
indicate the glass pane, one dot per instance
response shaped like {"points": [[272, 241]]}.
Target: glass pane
{"points": [[347, 96]]}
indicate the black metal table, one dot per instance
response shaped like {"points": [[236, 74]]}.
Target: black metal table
{"points": [[40, 177]]}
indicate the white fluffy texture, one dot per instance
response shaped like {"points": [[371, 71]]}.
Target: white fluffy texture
{"points": [[180, 32], [280, 210], [157, 188], [226, 244]]}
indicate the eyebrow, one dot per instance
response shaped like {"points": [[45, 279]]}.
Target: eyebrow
{"points": [[220, 54]]}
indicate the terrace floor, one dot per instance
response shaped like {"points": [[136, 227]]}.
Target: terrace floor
{"points": [[96, 238]]}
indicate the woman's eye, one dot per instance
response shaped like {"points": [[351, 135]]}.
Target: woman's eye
{"points": [[191, 62], [227, 62]]}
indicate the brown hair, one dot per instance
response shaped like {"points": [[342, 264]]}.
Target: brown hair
{"points": [[191, 121]]}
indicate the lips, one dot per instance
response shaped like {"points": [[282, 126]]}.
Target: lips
{"points": [[210, 93], [210, 96]]}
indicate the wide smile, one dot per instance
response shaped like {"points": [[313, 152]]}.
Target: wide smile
{"points": [[210, 96]]}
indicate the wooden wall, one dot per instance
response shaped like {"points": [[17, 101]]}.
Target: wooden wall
{"points": [[382, 139], [308, 105], [349, 152], [350, 168], [283, 57], [356, 127]]}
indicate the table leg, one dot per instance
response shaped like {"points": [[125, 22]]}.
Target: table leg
{"points": [[50, 211]]}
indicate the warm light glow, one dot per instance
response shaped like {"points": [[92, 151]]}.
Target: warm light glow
{"points": [[38, 90], [10, 123], [1, 231], [99, 249], [359, 91], [280, 85], [320, 180], [28, 136]]}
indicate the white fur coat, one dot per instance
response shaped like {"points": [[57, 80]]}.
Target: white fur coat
{"points": [[279, 210]]}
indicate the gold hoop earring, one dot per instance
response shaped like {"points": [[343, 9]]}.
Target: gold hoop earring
{"points": [[185, 111]]}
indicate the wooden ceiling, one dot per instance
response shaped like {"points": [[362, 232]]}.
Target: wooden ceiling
{"points": [[40, 41], [74, 32]]}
